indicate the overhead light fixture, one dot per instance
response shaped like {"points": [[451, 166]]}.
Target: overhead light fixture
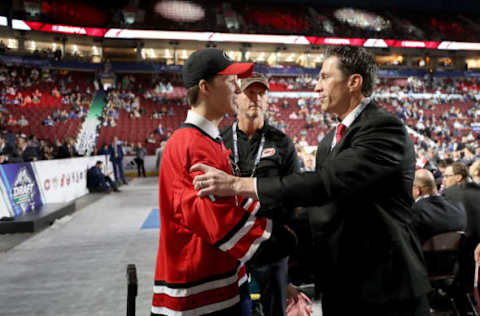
{"points": [[180, 11], [167, 53], [11, 43]]}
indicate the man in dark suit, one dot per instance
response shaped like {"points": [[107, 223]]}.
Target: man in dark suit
{"points": [[461, 191], [363, 182], [23, 152], [5, 150], [97, 181], [432, 213], [116, 157], [67, 150]]}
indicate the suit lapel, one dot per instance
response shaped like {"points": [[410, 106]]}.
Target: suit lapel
{"points": [[343, 142], [323, 150]]}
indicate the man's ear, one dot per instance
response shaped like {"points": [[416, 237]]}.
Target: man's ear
{"points": [[458, 178], [355, 82], [204, 86]]}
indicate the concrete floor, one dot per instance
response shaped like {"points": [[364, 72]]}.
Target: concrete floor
{"points": [[77, 266]]}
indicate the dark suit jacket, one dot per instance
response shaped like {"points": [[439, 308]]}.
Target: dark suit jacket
{"points": [[27, 155], [67, 151], [6, 150], [434, 215], [96, 179], [467, 195], [111, 152], [365, 186]]}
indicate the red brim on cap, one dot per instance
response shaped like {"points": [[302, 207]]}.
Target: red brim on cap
{"points": [[243, 70]]}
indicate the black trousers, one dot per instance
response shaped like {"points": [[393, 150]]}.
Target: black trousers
{"points": [[341, 305], [140, 167], [272, 280], [111, 183]]}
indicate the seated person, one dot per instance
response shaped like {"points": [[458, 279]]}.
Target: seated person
{"points": [[22, 121], [97, 181], [151, 139], [432, 213], [49, 121]]}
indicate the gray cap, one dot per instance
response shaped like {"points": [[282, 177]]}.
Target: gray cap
{"points": [[254, 78]]}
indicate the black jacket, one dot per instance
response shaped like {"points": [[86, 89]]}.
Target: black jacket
{"points": [[279, 158], [434, 215], [467, 195], [29, 154], [365, 185]]}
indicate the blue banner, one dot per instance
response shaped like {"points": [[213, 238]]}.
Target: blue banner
{"points": [[21, 188]]}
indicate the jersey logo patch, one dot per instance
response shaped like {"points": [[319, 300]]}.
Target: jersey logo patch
{"points": [[268, 152]]}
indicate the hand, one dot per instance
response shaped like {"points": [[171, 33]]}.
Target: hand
{"points": [[476, 254], [292, 293], [212, 181], [3, 158]]}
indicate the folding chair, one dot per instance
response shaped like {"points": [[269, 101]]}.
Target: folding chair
{"points": [[442, 254]]}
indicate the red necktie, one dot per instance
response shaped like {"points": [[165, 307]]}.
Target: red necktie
{"points": [[340, 131]]}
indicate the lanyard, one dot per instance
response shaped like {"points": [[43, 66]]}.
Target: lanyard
{"points": [[235, 148]]}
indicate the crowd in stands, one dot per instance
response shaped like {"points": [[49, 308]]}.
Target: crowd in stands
{"points": [[39, 106], [438, 111], [23, 148]]}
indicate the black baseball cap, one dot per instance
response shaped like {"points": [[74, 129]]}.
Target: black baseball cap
{"points": [[208, 62]]}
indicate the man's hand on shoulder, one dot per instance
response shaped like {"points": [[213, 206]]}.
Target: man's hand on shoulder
{"points": [[219, 183]]}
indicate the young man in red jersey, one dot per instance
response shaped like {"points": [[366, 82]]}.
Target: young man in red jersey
{"points": [[204, 242]]}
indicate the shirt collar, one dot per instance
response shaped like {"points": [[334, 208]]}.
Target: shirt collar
{"points": [[205, 125], [350, 118], [425, 196]]}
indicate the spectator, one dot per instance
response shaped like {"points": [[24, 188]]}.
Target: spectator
{"points": [[49, 121], [466, 194], [23, 152], [159, 130], [68, 150], [140, 154], [103, 150], [11, 121], [432, 213], [55, 93], [475, 171], [22, 121], [116, 157], [151, 139], [5, 150]]}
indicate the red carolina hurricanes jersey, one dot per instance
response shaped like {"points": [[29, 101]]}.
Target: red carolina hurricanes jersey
{"points": [[203, 243]]}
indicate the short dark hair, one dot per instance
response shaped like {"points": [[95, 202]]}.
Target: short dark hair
{"points": [[192, 95], [192, 92], [460, 169], [444, 163], [99, 162], [356, 60]]}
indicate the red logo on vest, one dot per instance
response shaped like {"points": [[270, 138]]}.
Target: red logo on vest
{"points": [[268, 152]]}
